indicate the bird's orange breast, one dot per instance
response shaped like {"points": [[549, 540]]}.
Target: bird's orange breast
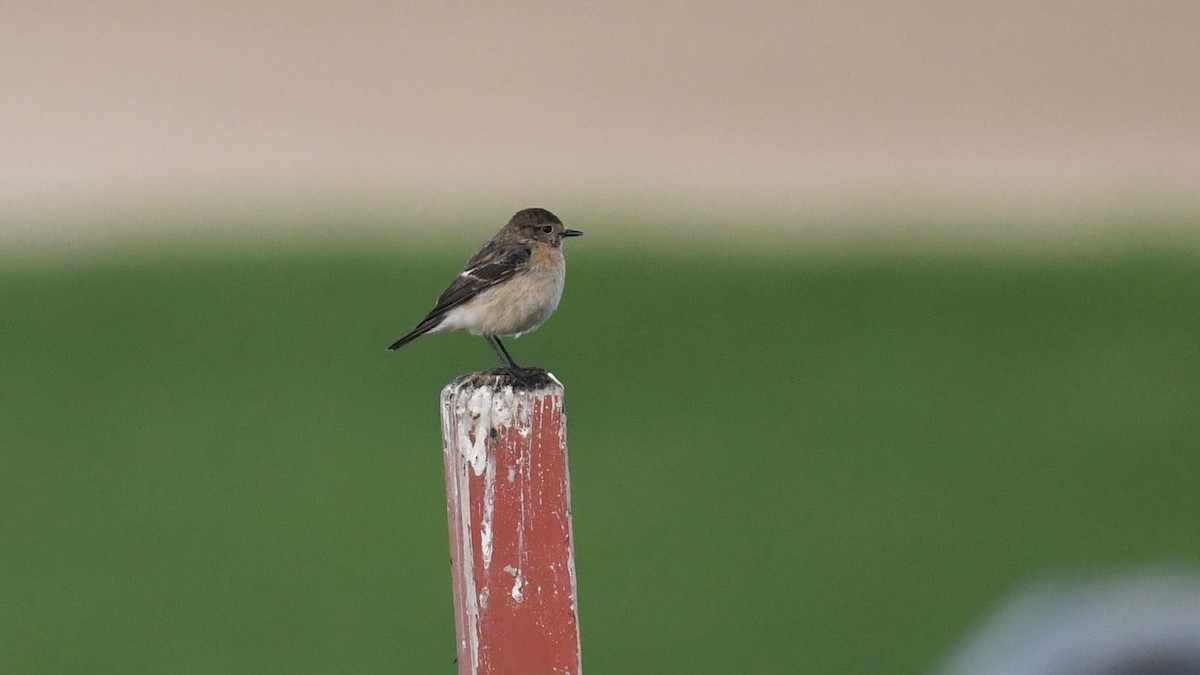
{"points": [[519, 304]]}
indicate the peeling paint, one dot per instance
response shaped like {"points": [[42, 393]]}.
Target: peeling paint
{"points": [[468, 569], [489, 511], [473, 436], [518, 582], [489, 409]]}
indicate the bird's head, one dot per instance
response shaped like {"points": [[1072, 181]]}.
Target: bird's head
{"points": [[539, 225]]}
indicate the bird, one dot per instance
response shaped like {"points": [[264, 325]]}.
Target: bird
{"points": [[509, 287]]}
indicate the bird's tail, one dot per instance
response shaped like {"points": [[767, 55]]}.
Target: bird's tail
{"points": [[421, 329], [405, 340]]}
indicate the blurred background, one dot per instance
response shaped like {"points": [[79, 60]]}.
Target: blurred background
{"points": [[886, 314]]}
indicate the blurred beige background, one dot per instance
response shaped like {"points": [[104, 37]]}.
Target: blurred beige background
{"points": [[212, 104]]}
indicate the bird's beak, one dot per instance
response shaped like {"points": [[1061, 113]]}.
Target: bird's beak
{"points": [[571, 233]]}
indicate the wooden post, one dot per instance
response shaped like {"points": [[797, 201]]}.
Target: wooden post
{"points": [[509, 505]]}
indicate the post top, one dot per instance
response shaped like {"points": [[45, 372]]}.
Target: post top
{"points": [[518, 378]]}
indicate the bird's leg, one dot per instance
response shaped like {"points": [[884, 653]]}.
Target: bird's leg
{"points": [[493, 346], [494, 343], [507, 357]]}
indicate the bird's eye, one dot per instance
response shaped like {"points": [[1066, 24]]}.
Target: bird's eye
{"points": [[547, 229]]}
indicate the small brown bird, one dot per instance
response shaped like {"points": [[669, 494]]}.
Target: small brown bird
{"points": [[509, 287]]}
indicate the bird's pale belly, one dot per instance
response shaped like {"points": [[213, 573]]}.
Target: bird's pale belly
{"points": [[516, 306]]}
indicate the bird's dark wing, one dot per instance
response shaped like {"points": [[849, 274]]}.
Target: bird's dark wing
{"points": [[492, 264]]}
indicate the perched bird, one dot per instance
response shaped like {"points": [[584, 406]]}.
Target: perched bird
{"points": [[509, 287]]}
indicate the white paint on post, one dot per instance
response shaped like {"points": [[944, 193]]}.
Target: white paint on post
{"points": [[462, 488], [489, 512]]}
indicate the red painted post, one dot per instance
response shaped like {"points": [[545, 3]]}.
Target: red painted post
{"points": [[509, 505]]}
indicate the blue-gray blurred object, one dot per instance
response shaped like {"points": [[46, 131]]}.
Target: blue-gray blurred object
{"points": [[1143, 623]]}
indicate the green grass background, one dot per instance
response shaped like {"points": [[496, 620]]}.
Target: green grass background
{"points": [[210, 464]]}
